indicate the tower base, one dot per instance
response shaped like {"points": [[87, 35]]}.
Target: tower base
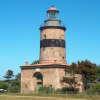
{"points": [[35, 76]]}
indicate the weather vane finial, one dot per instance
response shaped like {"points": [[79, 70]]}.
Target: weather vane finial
{"points": [[52, 5]]}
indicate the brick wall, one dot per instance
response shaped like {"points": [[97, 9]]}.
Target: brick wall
{"points": [[51, 76]]}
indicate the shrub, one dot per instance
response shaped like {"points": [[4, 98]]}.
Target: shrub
{"points": [[91, 92], [3, 85], [69, 90], [66, 89], [76, 89], [15, 83], [58, 91], [46, 89], [94, 90], [13, 89], [97, 88]]}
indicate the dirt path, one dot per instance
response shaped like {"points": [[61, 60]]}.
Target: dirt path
{"points": [[53, 98]]}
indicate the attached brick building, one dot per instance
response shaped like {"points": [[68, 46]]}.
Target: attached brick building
{"points": [[52, 63]]}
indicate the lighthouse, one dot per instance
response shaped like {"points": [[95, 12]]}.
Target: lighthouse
{"points": [[50, 70], [52, 43]]}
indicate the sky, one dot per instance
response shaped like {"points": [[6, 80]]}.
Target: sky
{"points": [[20, 21]]}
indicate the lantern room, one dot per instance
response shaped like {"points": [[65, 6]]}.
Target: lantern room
{"points": [[53, 13], [52, 17]]}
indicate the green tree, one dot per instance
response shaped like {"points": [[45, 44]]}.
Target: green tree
{"points": [[35, 62], [3, 85], [98, 71], [9, 75], [71, 80], [88, 71], [18, 77], [94, 90], [14, 86]]}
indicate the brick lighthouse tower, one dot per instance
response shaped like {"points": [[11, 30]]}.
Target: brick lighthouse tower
{"points": [[52, 44], [52, 62]]}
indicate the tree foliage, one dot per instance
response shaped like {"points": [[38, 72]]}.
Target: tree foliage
{"points": [[9, 75], [71, 80], [18, 77], [3, 85], [35, 62], [94, 90], [15, 83], [14, 86], [11, 85], [98, 71], [87, 69]]}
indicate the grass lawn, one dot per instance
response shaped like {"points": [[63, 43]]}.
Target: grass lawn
{"points": [[30, 98], [20, 98], [14, 96]]}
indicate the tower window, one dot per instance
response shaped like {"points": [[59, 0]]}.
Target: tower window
{"points": [[25, 86], [44, 36], [66, 74], [63, 58]]}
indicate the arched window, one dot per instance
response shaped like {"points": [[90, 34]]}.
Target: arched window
{"points": [[39, 77]]}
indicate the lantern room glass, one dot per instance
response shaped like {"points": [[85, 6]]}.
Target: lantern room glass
{"points": [[53, 15]]}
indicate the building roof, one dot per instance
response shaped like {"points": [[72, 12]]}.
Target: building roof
{"points": [[52, 8], [52, 65]]}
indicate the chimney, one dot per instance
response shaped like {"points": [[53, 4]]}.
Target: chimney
{"points": [[26, 63]]}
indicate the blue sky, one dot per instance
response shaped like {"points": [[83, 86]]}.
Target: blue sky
{"points": [[20, 36]]}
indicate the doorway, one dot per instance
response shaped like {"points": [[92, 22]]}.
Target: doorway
{"points": [[39, 85], [39, 80]]}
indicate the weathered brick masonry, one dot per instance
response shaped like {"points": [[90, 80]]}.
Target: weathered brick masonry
{"points": [[52, 62]]}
